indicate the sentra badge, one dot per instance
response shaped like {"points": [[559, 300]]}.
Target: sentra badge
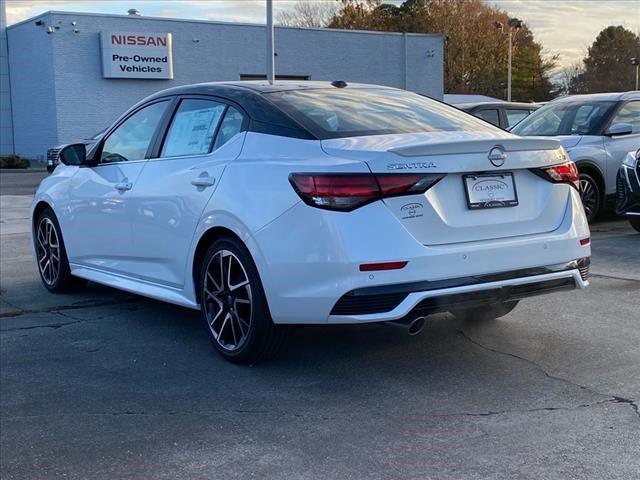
{"points": [[411, 166]]}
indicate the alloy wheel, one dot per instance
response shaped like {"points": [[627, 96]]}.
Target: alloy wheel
{"points": [[227, 300], [48, 251], [589, 197]]}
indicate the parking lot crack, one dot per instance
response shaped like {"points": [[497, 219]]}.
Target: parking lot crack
{"points": [[53, 326], [62, 308], [530, 410], [631, 403], [324, 417], [610, 398]]}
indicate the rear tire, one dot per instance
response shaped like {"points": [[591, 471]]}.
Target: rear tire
{"points": [[635, 224], [233, 305], [486, 312], [51, 255], [590, 196]]}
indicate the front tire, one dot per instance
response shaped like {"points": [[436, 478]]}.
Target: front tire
{"points": [[233, 305], [590, 195], [51, 255], [486, 312], [635, 224]]}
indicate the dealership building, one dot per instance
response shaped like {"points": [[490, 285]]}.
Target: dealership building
{"points": [[67, 75]]}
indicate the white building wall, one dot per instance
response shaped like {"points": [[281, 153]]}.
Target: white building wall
{"points": [[69, 78]]}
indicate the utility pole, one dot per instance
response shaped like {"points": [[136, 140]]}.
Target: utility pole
{"points": [[635, 61], [270, 43]]}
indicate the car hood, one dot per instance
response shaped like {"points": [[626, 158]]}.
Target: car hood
{"points": [[569, 141]]}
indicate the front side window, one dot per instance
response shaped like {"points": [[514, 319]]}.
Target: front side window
{"points": [[516, 116], [351, 112], [565, 118], [630, 114], [130, 141], [490, 115], [193, 128]]}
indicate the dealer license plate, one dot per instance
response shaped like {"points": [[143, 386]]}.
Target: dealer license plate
{"points": [[490, 190]]}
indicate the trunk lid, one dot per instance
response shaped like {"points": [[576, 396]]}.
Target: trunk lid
{"points": [[443, 214]]}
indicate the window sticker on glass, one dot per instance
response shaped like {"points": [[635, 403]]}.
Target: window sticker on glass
{"points": [[193, 128]]}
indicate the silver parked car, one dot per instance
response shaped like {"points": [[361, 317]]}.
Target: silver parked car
{"points": [[598, 131]]}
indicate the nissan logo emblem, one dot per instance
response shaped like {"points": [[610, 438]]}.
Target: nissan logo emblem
{"points": [[497, 156]]}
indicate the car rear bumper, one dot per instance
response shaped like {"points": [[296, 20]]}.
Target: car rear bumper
{"points": [[309, 260], [395, 302]]}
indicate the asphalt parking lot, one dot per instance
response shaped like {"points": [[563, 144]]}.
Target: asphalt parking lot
{"points": [[102, 384]]}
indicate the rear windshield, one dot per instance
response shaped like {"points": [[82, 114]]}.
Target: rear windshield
{"points": [[352, 112], [565, 118]]}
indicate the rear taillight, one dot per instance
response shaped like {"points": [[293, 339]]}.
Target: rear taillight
{"points": [[563, 173], [347, 191]]}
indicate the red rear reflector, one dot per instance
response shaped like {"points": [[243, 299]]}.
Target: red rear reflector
{"points": [[564, 173], [585, 241], [348, 191], [369, 267]]}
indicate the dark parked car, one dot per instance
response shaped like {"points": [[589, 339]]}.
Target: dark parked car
{"points": [[502, 114], [628, 189], [52, 153]]}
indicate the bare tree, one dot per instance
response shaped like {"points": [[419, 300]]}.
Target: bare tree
{"points": [[568, 76], [309, 13]]}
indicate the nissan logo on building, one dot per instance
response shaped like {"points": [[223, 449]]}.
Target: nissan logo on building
{"points": [[497, 156]]}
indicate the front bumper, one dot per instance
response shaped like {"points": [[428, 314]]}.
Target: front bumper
{"points": [[628, 191], [424, 298]]}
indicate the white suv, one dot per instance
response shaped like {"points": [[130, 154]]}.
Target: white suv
{"points": [[597, 131]]}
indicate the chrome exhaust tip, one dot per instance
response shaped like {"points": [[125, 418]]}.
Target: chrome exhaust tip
{"points": [[416, 326], [413, 326]]}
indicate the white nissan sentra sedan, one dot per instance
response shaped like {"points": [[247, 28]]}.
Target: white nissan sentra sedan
{"points": [[311, 203]]}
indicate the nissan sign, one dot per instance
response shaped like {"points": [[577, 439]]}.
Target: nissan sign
{"points": [[146, 56]]}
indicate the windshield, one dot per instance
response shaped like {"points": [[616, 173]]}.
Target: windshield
{"points": [[565, 118], [352, 112]]}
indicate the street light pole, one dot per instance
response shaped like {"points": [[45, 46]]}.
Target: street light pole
{"points": [[509, 71], [513, 24], [270, 43], [635, 61]]}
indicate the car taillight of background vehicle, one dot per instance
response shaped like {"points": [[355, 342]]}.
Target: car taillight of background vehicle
{"points": [[347, 191], [563, 173]]}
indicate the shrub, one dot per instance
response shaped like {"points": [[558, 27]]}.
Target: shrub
{"points": [[14, 161]]}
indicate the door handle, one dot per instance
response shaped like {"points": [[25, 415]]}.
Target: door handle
{"points": [[203, 181], [124, 186]]}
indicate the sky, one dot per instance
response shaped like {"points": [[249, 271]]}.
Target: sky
{"points": [[564, 27]]}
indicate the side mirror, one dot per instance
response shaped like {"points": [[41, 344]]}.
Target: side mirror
{"points": [[619, 129], [75, 154]]}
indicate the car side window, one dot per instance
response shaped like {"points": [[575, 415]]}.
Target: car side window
{"points": [[630, 113], [130, 141], [490, 115], [230, 127], [193, 128], [516, 116], [585, 118]]}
